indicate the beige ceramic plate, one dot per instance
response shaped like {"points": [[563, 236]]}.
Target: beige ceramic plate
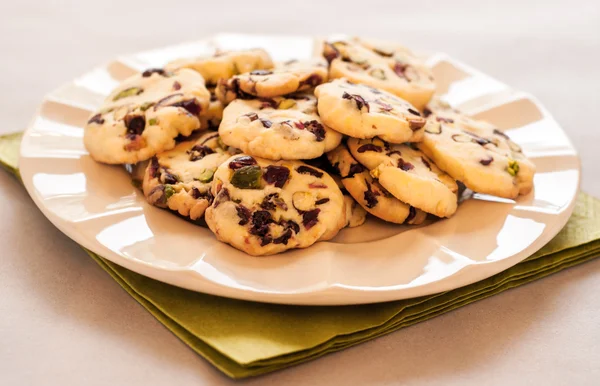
{"points": [[97, 206]]}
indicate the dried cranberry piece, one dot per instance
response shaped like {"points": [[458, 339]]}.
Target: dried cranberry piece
{"points": [[242, 161], [190, 105], [385, 106], [360, 101], [169, 178], [486, 161], [199, 151], [151, 71], [354, 169], [406, 166], [244, 214], [157, 196], [330, 52], [272, 201], [426, 112], [265, 240], [253, 116], [135, 124], [414, 112], [299, 125], [322, 201], [261, 72], [426, 163], [153, 168], [268, 103], [276, 175], [370, 196], [389, 153], [312, 81], [416, 124], [308, 170], [369, 147], [310, 218], [266, 123], [317, 185], [400, 69], [176, 86], [284, 238], [290, 224], [445, 120], [195, 193], [96, 119], [316, 128], [260, 223], [412, 212]]}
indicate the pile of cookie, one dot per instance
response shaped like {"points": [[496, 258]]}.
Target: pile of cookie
{"points": [[276, 156]]}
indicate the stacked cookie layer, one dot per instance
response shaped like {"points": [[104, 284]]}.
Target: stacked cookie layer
{"points": [[276, 156]]}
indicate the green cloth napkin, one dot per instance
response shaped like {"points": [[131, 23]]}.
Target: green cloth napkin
{"points": [[245, 339]]}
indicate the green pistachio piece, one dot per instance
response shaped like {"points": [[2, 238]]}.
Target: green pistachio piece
{"points": [[286, 104], [513, 167], [169, 191], [145, 106], [247, 177], [128, 92], [206, 175], [152, 121], [377, 73]]}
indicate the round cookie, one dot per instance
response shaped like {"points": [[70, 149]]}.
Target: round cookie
{"points": [[361, 111], [407, 174], [369, 193], [211, 119], [478, 155], [144, 115], [180, 179], [265, 207], [398, 72], [277, 128], [225, 64], [286, 78]]}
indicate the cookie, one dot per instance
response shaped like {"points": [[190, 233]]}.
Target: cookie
{"points": [[277, 128], [144, 115], [225, 64], [211, 119], [408, 174], [264, 207], [180, 179], [369, 193], [361, 111], [483, 158], [355, 215], [284, 79], [396, 71]]}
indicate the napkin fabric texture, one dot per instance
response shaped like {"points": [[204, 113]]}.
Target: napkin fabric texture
{"points": [[244, 339]]}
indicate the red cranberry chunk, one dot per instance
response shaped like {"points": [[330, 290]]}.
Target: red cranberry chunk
{"points": [[135, 124], [244, 214], [308, 170], [276, 175], [406, 166], [360, 101], [310, 218], [96, 119], [151, 71], [369, 147], [242, 161]]}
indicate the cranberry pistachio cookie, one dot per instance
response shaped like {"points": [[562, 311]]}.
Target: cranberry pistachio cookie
{"points": [[367, 191], [483, 158], [180, 179], [408, 174], [361, 111], [277, 128], [144, 115], [286, 78], [398, 72], [225, 64], [264, 207]]}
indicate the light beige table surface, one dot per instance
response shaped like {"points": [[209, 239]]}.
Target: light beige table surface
{"points": [[63, 321]]}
